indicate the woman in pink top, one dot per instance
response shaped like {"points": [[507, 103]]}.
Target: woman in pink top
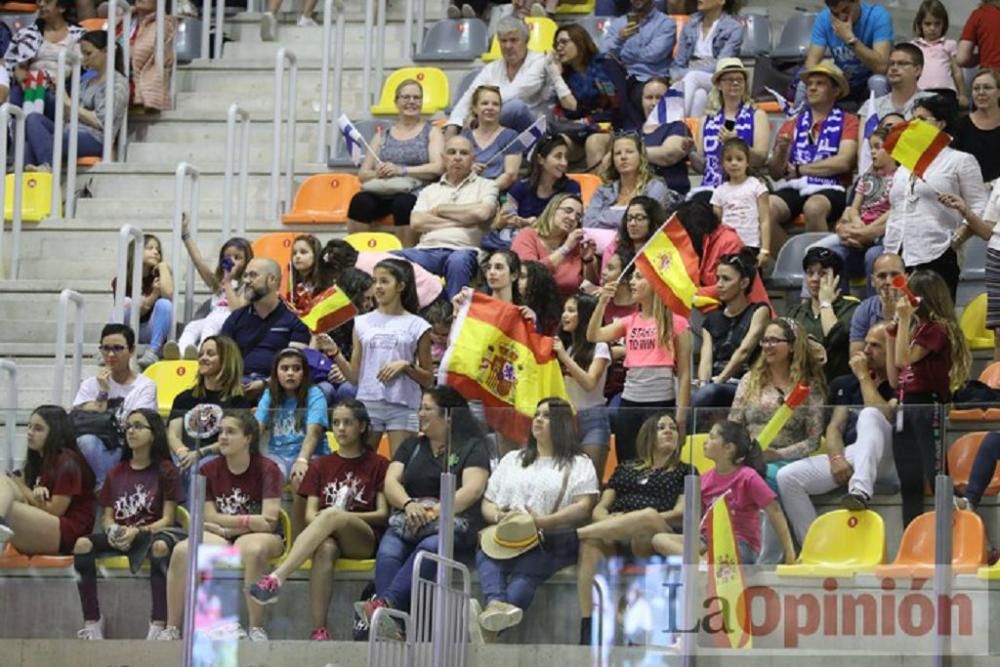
{"points": [[657, 360], [557, 241]]}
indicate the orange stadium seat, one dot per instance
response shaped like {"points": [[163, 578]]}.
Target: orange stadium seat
{"points": [[94, 24], [588, 185], [916, 550], [323, 200], [991, 375], [961, 456], [276, 246]]}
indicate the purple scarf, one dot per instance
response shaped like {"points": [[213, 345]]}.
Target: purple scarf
{"points": [[712, 147], [804, 151]]}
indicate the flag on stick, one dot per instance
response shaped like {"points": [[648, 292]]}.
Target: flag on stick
{"points": [[670, 264], [355, 143], [725, 579], [670, 108], [327, 311], [914, 144]]}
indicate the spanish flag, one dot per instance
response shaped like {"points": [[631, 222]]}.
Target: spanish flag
{"points": [[328, 310], [725, 580], [914, 144], [495, 356], [781, 416], [668, 261]]}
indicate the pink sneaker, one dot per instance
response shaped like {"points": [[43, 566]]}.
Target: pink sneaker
{"points": [[266, 590], [320, 634]]}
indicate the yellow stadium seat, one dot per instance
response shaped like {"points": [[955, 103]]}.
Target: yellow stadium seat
{"points": [[693, 453], [840, 544], [171, 378], [345, 565], [121, 562], [323, 200], [588, 185], [373, 241], [973, 324], [585, 7], [433, 80], [543, 33]]}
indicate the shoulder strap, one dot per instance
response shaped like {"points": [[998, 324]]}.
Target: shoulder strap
{"points": [[562, 489]]}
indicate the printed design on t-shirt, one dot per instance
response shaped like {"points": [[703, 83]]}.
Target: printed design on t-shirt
{"points": [[284, 425], [499, 369], [203, 421], [134, 504], [383, 341], [642, 338], [343, 493], [236, 502]]}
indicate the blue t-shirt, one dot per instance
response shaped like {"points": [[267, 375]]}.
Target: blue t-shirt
{"points": [[486, 153], [873, 26], [529, 204], [286, 440], [866, 315]]}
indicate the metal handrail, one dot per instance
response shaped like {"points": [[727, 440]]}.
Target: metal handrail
{"points": [[380, 44], [127, 233], [206, 19], [161, 36], [6, 111], [173, 72], [10, 413], [329, 7], [236, 111], [407, 50], [109, 80], [366, 57], [59, 370], [275, 206], [74, 126], [184, 170]]}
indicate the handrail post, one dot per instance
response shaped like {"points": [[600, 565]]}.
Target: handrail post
{"points": [[421, 18], [206, 27], [220, 20], [161, 36], [127, 233], [380, 44], [227, 185], [74, 124], [109, 79], [59, 370], [173, 70], [407, 51], [275, 205], [6, 111], [323, 150], [9, 367], [366, 58], [184, 170]]}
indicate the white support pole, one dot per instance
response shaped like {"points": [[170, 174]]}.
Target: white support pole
{"points": [[276, 205], [9, 367], [66, 297], [6, 111], [126, 234], [60, 122], [109, 78], [236, 113], [366, 57], [183, 173]]}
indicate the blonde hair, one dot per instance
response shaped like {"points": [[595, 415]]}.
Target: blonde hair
{"points": [[543, 225], [231, 372], [643, 174], [714, 103], [803, 367]]}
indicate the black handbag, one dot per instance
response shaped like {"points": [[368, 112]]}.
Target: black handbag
{"points": [[104, 425]]}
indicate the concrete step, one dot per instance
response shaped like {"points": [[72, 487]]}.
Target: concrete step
{"points": [[158, 181], [307, 43], [211, 156]]}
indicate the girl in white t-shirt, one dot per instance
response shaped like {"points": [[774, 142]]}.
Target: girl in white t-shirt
{"points": [[585, 366], [742, 200], [391, 355]]}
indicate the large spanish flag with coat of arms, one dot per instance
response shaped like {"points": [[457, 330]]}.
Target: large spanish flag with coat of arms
{"points": [[670, 264], [494, 355]]}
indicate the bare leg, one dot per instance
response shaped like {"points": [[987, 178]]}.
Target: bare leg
{"points": [[780, 215], [177, 578], [298, 510], [625, 526], [599, 455], [374, 437], [668, 544], [36, 532], [308, 8], [397, 438], [256, 549], [274, 6], [592, 554], [321, 581], [815, 210], [356, 536], [596, 148]]}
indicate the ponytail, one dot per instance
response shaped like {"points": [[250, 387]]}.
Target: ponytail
{"points": [[746, 450]]}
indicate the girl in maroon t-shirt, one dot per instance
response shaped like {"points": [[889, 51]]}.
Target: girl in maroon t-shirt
{"points": [[242, 507], [345, 510], [929, 353], [139, 497], [46, 506]]}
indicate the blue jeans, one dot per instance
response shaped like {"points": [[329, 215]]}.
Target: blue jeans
{"points": [[771, 551], [156, 329], [335, 393], [100, 458], [39, 135], [457, 266], [516, 115], [515, 580], [713, 395], [983, 467], [394, 567]]}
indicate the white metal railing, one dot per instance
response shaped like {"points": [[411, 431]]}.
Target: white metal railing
{"points": [[182, 174], [161, 36], [109, 80], [59, 370], [236, 112], [287, 93], [161, 22], [6, 111], [366, 55], [384, 652], [127, 233], [74, 125], [329, 114], [440, 612], [206, 25], [9, 367], [380, 45]]}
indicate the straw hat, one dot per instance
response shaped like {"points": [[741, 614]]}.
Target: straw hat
{"points": [[828, 68], [726, 65], [514, 535]]}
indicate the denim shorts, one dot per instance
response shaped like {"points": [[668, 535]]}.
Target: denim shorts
{"points": [[388, 416], [283, 462], [594, 426]]}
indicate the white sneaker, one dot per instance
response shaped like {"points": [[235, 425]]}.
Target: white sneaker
{"points": [[147, 359], [453, 12], [268, 27], [155, 629], [468, 12], [257, 634], [538, 10], [499, 616], [6, 534], [91, 630], [306, 22], [169, 634]]}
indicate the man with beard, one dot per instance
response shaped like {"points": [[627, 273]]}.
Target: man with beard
{"points": [[264, 326]]}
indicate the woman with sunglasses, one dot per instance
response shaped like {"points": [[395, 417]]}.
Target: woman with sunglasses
{"points": [[557, 241], [785, 361], [496, 158]]}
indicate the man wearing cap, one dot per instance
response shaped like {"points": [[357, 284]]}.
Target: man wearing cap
{"points": [[813, 156], [826, 316], [858, 36]]}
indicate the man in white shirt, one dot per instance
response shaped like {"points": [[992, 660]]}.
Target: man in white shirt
{"points": [[906, 64], [521, 76], [117, 389], [451, 215]]}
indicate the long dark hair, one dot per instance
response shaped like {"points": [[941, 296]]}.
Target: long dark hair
{"points": [[402, 272], [464, 430], [61, 437], [655, 214], [575, 342], [321, 275], [542, 296], [359, 412], [546, 145], [514, 264], [301, 395], [99, 40], [339, 255], [159, 450], [130, 270], [744, 263], [565, 437], [699, 220], [746, 450], [355, 283]]}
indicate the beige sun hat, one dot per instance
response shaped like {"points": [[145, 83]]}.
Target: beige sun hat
{"points": [[831, 70], [514, 535], [726, 65]]}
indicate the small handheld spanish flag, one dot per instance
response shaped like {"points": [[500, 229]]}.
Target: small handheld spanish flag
{"points": [[781, 416], [327, 311], [914, 144], [670, 264], [725, 580]]}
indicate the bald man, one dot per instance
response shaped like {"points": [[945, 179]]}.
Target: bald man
{"points": [[264, 326], [451, 216]]}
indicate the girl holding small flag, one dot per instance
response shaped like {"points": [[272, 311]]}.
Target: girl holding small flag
{"points": [[491, 140], [657, 359], [310, 276]]}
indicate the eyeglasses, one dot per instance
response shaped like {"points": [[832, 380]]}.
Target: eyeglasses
{"points": [[562, 42], [637, 217], [770, 341], [132, 426], [108, 349]]}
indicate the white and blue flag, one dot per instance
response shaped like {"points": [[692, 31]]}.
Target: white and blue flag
{"points": [[527, 139], [353, 140], [670, 108]]}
